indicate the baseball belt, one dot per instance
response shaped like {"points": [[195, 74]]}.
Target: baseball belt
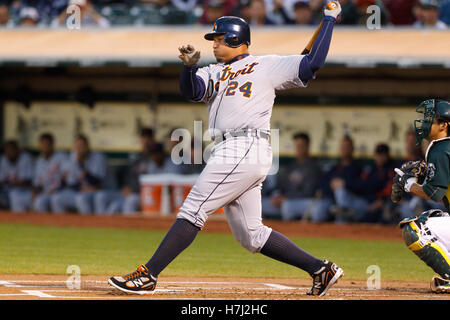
{"points": [[243, 133]]}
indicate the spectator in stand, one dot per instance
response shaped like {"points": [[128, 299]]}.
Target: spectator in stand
{"points": [[401, 11], [48, 10], [29, 17], [49, 172], [410, 205], [126, 201], [303, 14], [377, 184], [185, 5], [268, 191], [83, 177], [339, 186], [350, 14], [175, 139], [214, 9], [417, 14], [429, 14], [242, 10], [161, 162], [89, 16], [4, 15], [289, 194], [317, 10], [195, 155], [279, 13], [258, 14], [445, 12], [16, 176], [297, 183]]}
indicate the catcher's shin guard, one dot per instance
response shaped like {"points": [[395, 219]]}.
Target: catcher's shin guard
{"points": [[426, 247]]}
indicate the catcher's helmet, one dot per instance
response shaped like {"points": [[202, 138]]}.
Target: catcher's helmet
{"points": [[235, 29], [431, 109]]}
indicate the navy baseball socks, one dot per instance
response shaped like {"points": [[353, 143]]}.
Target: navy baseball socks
{"points": [[179, 237], [143, 280], [280, 248], [324, 273]]}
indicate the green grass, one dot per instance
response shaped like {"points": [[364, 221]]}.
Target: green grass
{"points": [[28, 249]]}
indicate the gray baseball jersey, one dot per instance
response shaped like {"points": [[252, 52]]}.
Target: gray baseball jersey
{"points": [[95, 165], [241, 94], [21, 170], [49, 172]]}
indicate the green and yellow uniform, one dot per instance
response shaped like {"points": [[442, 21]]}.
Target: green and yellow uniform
{"points": [[437, 182]]}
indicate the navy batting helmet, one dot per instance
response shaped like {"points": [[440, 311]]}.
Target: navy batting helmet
{"points": [[235, 29]]}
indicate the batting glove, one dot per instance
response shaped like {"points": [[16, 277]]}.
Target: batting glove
{"points": [[189, 55], [333, 9]]}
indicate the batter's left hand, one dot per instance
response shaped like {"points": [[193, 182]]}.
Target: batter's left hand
{"points": [[333, 9], [189, 55]]}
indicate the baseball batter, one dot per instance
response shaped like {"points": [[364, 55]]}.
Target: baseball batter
{"points": [[239, 91], [428, 235]]}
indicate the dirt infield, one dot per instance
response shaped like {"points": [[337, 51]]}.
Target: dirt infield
{"points": [[32, 287], [216, 223]]}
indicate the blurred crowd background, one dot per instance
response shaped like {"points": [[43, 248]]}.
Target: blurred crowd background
{"points": [[343, 190], [107, 13]]}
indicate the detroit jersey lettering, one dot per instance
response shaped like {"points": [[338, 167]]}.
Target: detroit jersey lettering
{"points": [[241, 94]]}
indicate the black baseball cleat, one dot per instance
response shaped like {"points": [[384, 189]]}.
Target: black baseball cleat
{"points": [[137, 282], [324, 278]]}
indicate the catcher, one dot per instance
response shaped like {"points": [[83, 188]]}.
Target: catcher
{"points": [[428, 235]]}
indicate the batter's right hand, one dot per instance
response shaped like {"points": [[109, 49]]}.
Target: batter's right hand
{"points": [[189, 55], [333, 9]]}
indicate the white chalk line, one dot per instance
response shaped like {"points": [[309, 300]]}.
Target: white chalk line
{"points": [[279, 286], [268, 285], [273, 286], [38, 293], [9, 284], [169, 289]]}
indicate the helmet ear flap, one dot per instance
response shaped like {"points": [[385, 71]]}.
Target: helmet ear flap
{"points": [[233, 41]]}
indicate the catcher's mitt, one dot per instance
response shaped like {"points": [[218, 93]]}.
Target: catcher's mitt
{"points": [[410, 169], [396, 193]]}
